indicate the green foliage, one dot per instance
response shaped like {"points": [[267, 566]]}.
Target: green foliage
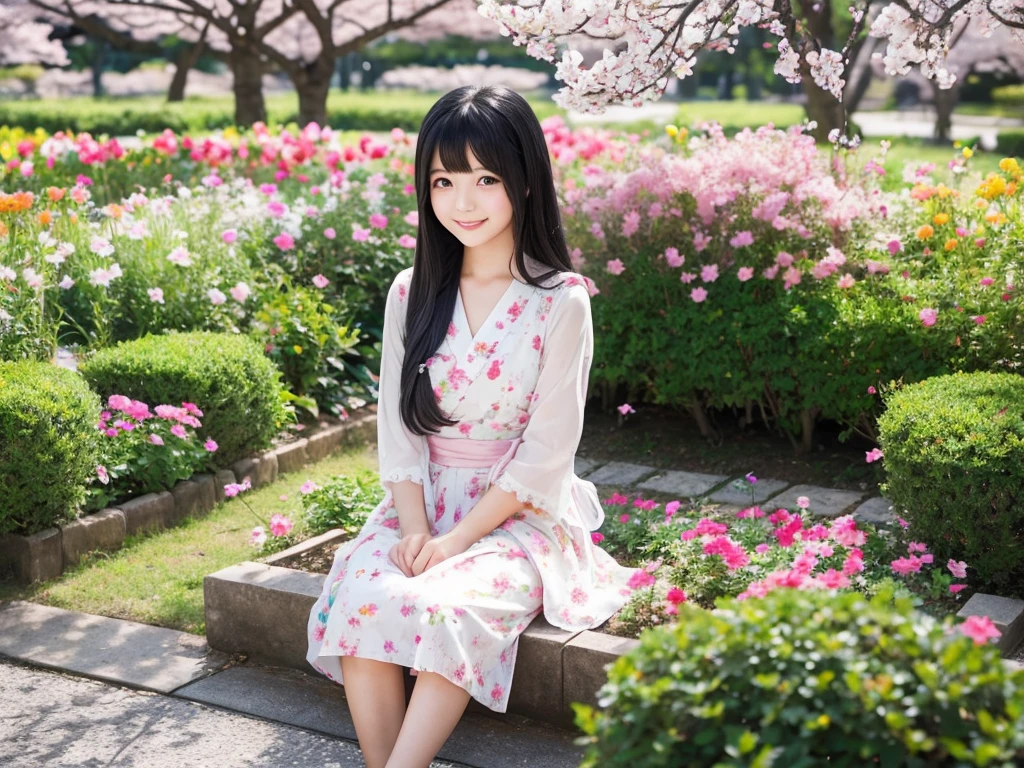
{"points": [[227, 376], [1010, 142], [954, 458], [800, 679], [48, 445], [346, 502]]}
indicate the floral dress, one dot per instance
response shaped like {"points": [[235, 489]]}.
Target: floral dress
{"points": [[517, 391]]}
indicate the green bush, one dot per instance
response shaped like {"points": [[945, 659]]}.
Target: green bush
{"points": [[345, 502], [800, 679], [1009, 96], [48, 445], [954, 460], [234, 384], [1010, 143]]}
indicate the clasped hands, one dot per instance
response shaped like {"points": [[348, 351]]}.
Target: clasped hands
{"points": [[419, 552]]}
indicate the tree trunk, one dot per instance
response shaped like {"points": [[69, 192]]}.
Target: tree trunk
{"points": [[822, 107], [186, 60], [247, 71], [98, 64], [313, 82], [945, 101]]}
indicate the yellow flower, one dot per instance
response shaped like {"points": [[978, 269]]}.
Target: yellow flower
{"points": [[298, 349], [951, 244], [1009, 165], [925, 232], [6, 151], [968, 153], [671, 130], [940, 218], [992, 187]]}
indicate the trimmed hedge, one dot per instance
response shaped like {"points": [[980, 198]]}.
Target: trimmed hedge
{"points": [[227, 375], [1010, 143], [48, 445], [954, 460], [807, 679]]}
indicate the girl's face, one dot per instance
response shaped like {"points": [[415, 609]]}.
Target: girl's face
{"points": [[477, 199]]}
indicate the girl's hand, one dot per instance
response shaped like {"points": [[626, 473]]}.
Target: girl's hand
{"points": [[437, 550], [404, 553]]}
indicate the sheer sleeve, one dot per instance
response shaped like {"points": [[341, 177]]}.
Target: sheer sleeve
{"points": [[399, 450], [540, 473]]}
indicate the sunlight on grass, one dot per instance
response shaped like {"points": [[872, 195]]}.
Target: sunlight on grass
{"points": [[158, 579]]}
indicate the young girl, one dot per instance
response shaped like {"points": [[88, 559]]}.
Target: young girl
{"points": [[487, 347]]}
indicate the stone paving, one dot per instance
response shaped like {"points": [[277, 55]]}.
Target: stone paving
{"points": [[768, 493]]}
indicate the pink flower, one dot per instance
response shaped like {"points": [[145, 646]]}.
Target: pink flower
{"points": [[957, 568], [873, 455], [625, 408], [101, 473], [597, 537], [745, 273], [156, 294], [916, 546], [673, 258], [803, 502], [761, 548], [330, 234], [709, 273], [928, 316], [320, 281], [216, 296], [906, 565], [980, 629], [258, 536], [229, 235], [360, 235], [280, 525], [378, 220], [986, 281], [871, 390], [284, 241], [741, 238], [979, 319], [179, 431], [706, 527], [731, 552], [210, 445], [955, 588], [624, 518], [615, 266], [407, 241], [640, 578], [903, 523], [844, 531], [155, 439], [698, 295], [308, 487], [675, 596], [240, 292]]}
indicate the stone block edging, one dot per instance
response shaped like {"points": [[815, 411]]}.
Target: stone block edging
{"points": [[262, 611], [47, 554]]}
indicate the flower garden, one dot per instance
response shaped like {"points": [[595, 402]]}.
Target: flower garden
{"points": [[217, 290]]}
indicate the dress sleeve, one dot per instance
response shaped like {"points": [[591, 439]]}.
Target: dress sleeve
{"points": [[541, 471], [399, 450]]}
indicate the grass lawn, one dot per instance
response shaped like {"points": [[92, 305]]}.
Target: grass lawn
{"points": [[158, 579]]}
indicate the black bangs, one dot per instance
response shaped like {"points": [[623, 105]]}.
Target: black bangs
{"points": [[486, 134]]}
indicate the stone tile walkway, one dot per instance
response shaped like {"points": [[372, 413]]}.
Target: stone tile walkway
{"points": [[155, 697], [768, 493]]}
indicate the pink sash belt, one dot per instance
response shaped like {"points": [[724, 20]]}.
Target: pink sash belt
{"points": [[466, 452]]}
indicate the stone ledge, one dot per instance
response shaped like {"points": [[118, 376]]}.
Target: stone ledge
{"points": [[39, 557], [584, 662], [1006, 613], [148, 513], [305, 546], [263, 611], [101, 530], [291, 457]]}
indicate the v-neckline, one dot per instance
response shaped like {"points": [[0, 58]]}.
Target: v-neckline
{"points": [[486, 323]]}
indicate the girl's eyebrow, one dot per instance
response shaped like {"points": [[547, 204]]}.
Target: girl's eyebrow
{"points": [[442, 170]]}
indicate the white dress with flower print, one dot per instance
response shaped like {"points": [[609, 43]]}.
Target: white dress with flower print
{"points": [[522, 378]]}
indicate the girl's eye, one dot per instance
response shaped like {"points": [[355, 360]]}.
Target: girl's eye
{"points": [[482, 178]]}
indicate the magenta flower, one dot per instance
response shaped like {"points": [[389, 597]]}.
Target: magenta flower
{"points": [[957, 568], [741, 238], [155, 439], [407, 241], [229, 235], [179, 431], [378, 221], [597, 537], [101, 473], [210, 445], [928, 316], [955, 588], [280, 525], [873, 455], [640, 579], [308, 487], [284, 241]]}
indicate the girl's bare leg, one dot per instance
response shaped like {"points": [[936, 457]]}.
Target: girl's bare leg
{"points": [[434, 711], [375, 691]]}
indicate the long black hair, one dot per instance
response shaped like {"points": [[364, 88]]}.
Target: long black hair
{"points": [[503, 132]]}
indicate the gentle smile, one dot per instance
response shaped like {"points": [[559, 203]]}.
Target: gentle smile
{"points": [[470, 224]]}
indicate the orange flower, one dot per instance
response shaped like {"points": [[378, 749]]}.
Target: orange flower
{"points": [[16, 202], [73, 217], [940, 218], [114, 211], [56, 194], [925, 232], [45, 217], [1011, 189], [951, 244], [998, 217], [3, 229]]}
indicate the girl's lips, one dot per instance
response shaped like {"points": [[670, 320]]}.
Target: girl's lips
{"points": [[471, 226]]}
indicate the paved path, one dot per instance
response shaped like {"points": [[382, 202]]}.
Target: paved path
{"points": [[56, 720]]}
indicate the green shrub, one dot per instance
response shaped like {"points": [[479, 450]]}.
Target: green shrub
{"points": [[1009, 96], [237, 388], [954, 460], [1010, 143], [345, 502], [807, 679], [48, 445]]}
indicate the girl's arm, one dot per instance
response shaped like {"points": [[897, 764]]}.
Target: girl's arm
{"points": [[412, 512], [496, 506]]}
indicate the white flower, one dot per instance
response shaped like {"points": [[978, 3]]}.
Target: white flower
{"points": [[217, 297], [103, 276], [181, 257]]}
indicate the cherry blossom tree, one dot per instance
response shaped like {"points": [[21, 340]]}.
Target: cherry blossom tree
{"points": [[653, 40], [25, 39], [302, 38]]}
